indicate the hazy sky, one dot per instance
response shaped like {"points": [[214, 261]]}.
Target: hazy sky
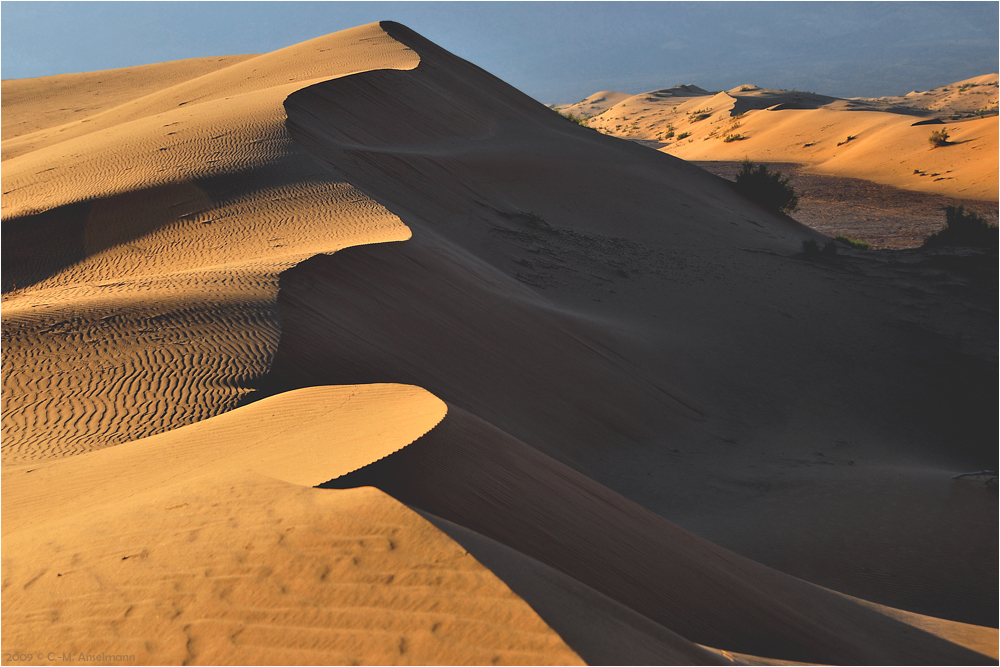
{"points": [[554, 51]]}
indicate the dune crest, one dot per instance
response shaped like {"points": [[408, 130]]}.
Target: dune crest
{"points": [[302, 437], [156, 224], [630, 394], [472, 474], [206, 544]]}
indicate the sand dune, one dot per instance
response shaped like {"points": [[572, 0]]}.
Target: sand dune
{"points": [[640, 425], [188, 547], [472, 474], [158, 229], [884, 140]]}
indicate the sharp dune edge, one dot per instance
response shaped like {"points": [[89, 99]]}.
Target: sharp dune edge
{"points": [[571, 400]]}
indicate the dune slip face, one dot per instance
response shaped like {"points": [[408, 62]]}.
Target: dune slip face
{"points": [[778, 389], [569, 400], [207, 545], [143, 234]]}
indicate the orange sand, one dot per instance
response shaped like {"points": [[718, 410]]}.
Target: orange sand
{"points": [[566, 399]]}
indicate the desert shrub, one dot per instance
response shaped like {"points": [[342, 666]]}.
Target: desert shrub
{"points": [[669, 134], [854, 243], [698, 114], [850, 137], [683, 135], [729, 138], [768, 188], [964, 229], [579, 120], [939, 138]]}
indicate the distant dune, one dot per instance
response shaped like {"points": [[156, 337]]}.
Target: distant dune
{"points": [[884, 140], [352, 353]]}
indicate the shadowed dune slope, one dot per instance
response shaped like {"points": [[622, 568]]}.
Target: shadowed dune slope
{"points": [[300, 437], [471, 473], [764, 393], [670, 429], [200, 546], [142, 238]]}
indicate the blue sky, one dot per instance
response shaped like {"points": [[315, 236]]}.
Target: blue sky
{"points": [[554, 51]]}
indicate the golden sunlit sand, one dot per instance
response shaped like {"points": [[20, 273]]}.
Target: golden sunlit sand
{"points": [[885, 140], [353, 353]]}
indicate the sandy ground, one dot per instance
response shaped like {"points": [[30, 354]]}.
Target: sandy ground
{"points": [[880, 215], [883, 140], [352, 353]]}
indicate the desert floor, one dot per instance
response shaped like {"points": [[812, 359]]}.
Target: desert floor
{"points": [[351, 353]]}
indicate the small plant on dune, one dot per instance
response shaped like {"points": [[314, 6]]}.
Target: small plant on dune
{"points": [[768, 188], [683, 135], [939, 138], [849, 138], [854, 243], [964, 229], [668, 134], [744, 89], [698, 114], [579, 120], [730, 138]]}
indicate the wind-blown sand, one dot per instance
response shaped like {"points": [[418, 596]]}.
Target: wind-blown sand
{"points": [[566, 399]]}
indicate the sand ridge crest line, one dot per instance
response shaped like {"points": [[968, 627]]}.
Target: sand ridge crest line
{"points": [[481, 479], [313, 214], [263, 104], [219, 83], [295, 443]]}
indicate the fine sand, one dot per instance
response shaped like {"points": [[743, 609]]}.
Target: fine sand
{"points": [[883, 140], [352, 353]]}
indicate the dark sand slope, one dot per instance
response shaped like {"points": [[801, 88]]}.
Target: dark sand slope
{"points": [[669, 434], [143, 232], [805, 413], [474, 475]]}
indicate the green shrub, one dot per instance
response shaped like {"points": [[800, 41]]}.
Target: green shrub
{"points": [[768, 188], [579, 120], [939, 138], [683, 135], [729, 138], [854, 243], [964, 229], [698, 114]]}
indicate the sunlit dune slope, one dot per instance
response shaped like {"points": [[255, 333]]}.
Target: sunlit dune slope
{"points": [[199, 546], [683, 352], [472, 474], [141, 243], [671, 434], [884, 140], [30, 105]]}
